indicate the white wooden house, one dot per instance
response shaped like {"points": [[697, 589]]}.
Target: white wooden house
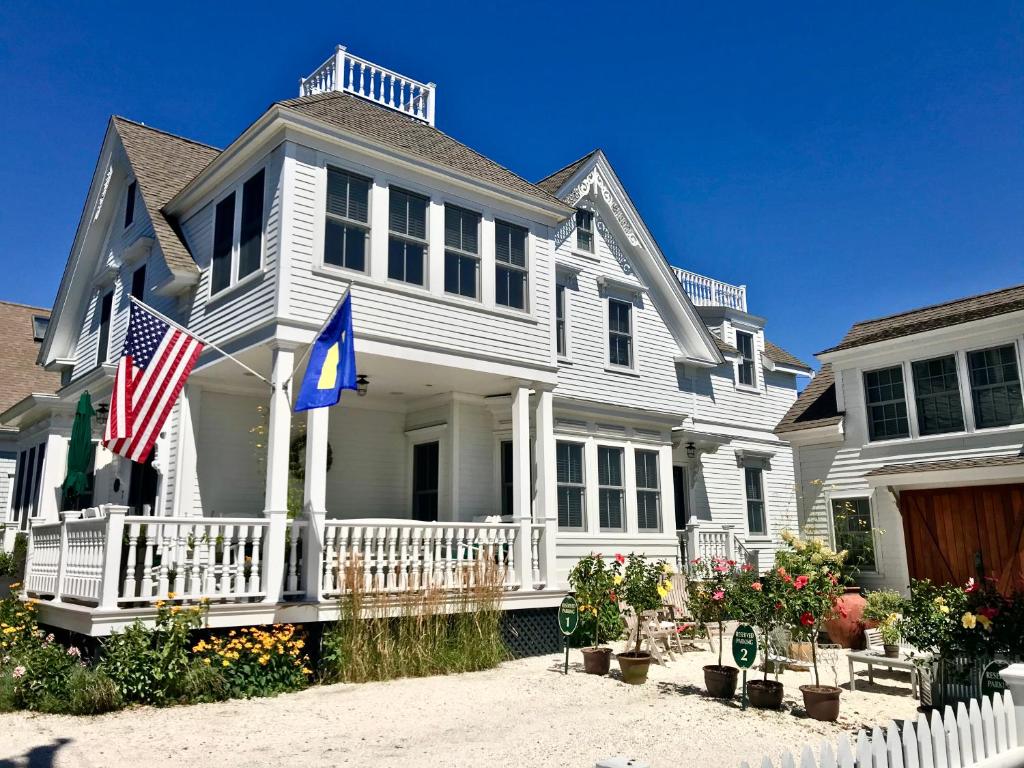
{"points": [[909, 443], [540, 382]]}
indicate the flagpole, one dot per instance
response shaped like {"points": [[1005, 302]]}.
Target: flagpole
{"points": [[309, 347], [201, 340]]}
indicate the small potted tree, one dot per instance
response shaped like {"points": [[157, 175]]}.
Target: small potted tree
{"points": [[593, 580], [760, 600], [708, 592], [639, 588], [885, 608]]}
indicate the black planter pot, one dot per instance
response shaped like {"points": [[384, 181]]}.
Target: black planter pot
{"points": [[597, 661], [821, 701], [720, 681], [765, 694]]}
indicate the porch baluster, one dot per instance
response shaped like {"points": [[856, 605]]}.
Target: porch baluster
{"points": [[391, 572], [129, 576], [236, 580], [191, 586], [327, 564], [293, 557], [514, 580], [254, 583], [403, 548], [210, 581], [149, 543], [367, 534], [535, 555], [164, 543], [417, 556]]}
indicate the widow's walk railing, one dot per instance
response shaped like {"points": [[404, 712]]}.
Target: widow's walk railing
{"points": [[708, 292]]}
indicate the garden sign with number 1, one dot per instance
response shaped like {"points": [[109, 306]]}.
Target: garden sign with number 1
{"points": [[568, 620]]}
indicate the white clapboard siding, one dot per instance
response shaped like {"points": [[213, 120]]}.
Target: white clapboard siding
{"points": [[970, 737]]}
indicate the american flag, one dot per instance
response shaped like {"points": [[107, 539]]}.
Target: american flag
{"points": [[154, 365]]}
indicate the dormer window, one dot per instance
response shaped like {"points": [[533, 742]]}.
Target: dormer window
{"points": [[585, 231], [129, 205], [745, 373]]}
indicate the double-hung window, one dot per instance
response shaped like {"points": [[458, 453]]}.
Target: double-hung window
{"points": [[995, 387], [886, 404], [561, 340], [937, 396], [461, 251], [571, 487], [757, 524], [510, 265], [585, 231], [851, 521], [620, 333], [347, 220], [648, 491], [407, 236], [103, 342], [250, 233], [129, 205], [223, 241], [238, 231], [745, 367], [610, 488]]}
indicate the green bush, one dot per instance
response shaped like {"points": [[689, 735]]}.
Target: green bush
{"points": [[257, 661], [6, 561], [593, 581], [200, 683], [130, 660], [90, 692]]}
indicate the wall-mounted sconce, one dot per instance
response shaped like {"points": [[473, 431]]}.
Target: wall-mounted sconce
{"points": [[362, 385], [691, 450]]}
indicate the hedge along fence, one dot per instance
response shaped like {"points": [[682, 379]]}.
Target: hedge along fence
{"points": [[974, 735]]}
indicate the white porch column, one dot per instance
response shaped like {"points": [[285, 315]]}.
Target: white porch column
{"points": [[276, 498], [55, 469], [314, 499], [545, 508], [521, 485]]}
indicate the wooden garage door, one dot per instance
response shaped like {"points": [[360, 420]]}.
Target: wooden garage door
{"points": [[953, 534]]}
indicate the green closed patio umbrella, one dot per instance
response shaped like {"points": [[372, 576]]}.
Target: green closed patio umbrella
{"points": [[80, 451]]}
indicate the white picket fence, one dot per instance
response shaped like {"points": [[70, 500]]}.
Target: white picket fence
{"points": [[975, 735]]}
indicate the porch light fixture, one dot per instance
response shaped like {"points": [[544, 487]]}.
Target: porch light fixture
{"points": [[691, 450], [102, 409], [362, 385]]}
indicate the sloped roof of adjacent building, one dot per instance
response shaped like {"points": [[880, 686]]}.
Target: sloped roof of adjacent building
{"points": [[944, 465], [18, 351], [556, 180], [351, 113], [933, 317], [816, 405], [163, 164], [779, 355]]}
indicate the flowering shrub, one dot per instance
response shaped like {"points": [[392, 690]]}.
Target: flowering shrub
{"points": [[257, 662], [594, 582], [709, 592], [760, 600], [643, 587]]}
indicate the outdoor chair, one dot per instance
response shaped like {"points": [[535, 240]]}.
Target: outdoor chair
{"points": [[653, 636], [676, 611]]}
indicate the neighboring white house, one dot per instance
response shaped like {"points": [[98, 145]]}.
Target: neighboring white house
{"points": [[909, 443], [540, 383]]}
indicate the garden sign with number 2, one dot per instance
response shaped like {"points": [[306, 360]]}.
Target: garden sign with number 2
{"points": [[744, 651]]}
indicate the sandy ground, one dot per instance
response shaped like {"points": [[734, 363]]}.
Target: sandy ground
{"points": [[525, 713]]}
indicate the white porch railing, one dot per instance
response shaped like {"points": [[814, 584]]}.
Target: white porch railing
{"points": [[708, 541], [708, 292], [352, 74]]}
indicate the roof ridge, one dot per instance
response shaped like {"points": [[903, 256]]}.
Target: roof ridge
{"points": [[25, 306], [138, 124], [577, 161], [936, 305]]}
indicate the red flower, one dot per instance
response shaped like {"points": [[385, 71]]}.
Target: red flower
{"points": [[731, 562], [988, 612], [785, 576], [756, 586], [695, 560], [747, 567], [620, 558], [971, 586], [612, 596], [807, 619], [800, 582]]}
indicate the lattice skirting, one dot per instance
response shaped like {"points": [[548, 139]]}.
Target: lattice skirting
{"points": [[531, 632]]}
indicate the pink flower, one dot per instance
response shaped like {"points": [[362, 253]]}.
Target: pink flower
{"points": [[785, 576], [747, 568], [695, 561], [620, 558], [721, 566], [19, 671], [719, 595], [756, 586], [800, 582], [73, 651], [971, 585]]}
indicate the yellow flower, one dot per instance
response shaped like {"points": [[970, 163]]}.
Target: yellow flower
{"points": [[617, 579], [264, 659], [943, 608], [171, 595], [666, 567], [668, 586], [662, 591], [159, 604], [306, 671], [985, 621], [225, 663], [969, 620]]}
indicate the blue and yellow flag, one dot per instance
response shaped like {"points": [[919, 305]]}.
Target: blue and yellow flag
{"points": [[332, 363]]}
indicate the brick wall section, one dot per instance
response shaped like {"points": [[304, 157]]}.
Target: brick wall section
{"points": [[19, 374]]}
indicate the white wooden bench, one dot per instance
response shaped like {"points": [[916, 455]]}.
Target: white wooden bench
{"points": [[874, 656]]}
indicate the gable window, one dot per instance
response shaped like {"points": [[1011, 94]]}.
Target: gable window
{"points": [[561, 341], [510, 268], [745, 367], [995, 387], [461, 251], [250, 238], [610, 487], [937, 396], [129, 205], [103, 343], [407, 236], [886, 403], [648, 493], [346, 220], [620, 333], [753, 478], [585, 231], [223, 236], [571, 488], [851, 521], [139, 283]]}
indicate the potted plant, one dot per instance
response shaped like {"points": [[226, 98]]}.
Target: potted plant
{"points": [[884, 608], [639, 588], [760, 601], [593, 580], [708, 591]]}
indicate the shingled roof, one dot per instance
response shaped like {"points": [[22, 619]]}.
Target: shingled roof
{"points": [[351, 113], [816, 405], [944, 465], [22, 376], [554, 182], [163, 164], [933, 317], [778, 355]]}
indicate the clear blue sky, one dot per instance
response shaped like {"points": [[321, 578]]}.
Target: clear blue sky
{"points": [[843, 163]]}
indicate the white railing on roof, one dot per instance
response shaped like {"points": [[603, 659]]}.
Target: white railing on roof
{"points": [[708, 292], [351, 74]]}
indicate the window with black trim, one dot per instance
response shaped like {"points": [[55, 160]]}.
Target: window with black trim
{"points": [[139, 283], [569, 478], [223, 239], [561, 340], [346, 219], [250, 238], [745, 367], [103, 343], [851, 521], [407, 236], [511, 273], [937, 396], [585, 231], [620, 333], [995, 387], [610, 487], [129, 205], [753, 481], [461, 251], [886, 404], [648, 491]]}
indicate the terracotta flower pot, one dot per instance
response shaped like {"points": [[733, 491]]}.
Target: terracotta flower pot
{"points": [[634, 666], [846, 628], [597, 661], [720, 681], [821, 701], [765, 694]]}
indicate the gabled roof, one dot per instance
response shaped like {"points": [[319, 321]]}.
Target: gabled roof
{"points": [[933, 317], [815, 407], [351, 113], [18, 351], [556, 180], [163, 164], [945, 465], [778, 355], [723, 346]]}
